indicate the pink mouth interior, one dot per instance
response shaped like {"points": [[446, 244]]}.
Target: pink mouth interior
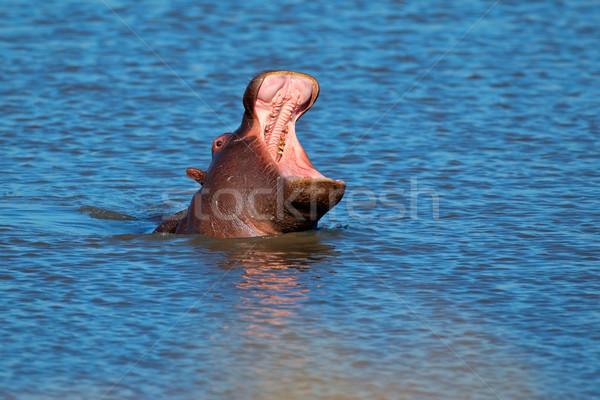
{"points": [[281, 100]]}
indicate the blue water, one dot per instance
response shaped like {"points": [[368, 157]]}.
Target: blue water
{"points": [[463, 262]]}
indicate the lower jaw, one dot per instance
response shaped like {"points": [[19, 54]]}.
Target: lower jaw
{"points": [[296, 171], [293, 161], [310, 198], [322, 182]]}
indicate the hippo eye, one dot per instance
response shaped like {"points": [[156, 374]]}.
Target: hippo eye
{"points": [[219, 142]]}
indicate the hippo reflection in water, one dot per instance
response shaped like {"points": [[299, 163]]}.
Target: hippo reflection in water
{"points": [[260, 181]]}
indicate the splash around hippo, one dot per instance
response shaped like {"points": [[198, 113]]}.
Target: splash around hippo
{"points": [[261, 181]]}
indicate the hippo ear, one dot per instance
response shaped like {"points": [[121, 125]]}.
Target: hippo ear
{"points": [[196, 174]]}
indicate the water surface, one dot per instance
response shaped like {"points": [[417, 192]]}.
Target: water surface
{"points": [[461, 264]]}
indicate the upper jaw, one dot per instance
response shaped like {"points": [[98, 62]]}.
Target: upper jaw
{"points": [[267, 79], [275, 101]]}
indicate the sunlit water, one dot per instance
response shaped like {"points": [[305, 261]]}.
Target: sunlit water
{"points": [[461, 264]]}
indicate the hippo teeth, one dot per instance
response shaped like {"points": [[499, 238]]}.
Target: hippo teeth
{"points": [[280, 121], [281, 147]]}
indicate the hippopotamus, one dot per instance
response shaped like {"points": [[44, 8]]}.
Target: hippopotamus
{"points": [[260, 181]]}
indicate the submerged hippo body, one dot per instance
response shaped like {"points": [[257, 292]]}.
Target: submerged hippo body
{"points": [[260, 181]]}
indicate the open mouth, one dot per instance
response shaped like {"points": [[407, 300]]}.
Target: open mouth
{"points": [[281, 99]]}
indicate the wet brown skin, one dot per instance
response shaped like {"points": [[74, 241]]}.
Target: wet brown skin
{"points": [[249, 190]]}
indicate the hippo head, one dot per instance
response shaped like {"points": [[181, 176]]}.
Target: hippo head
{"points": [[260, 180]]}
